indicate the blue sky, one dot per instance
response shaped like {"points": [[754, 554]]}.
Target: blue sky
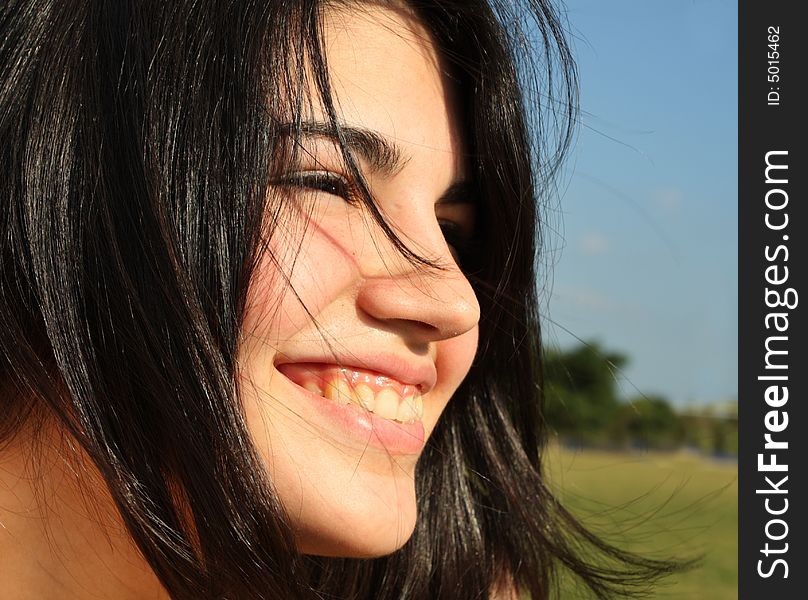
{"points": [[647, 258]]}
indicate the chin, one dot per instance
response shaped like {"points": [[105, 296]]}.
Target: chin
{"points": [[363, 527]]}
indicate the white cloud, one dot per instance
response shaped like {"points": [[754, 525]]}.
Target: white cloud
{"points": [[669, 200], [577, 297], [594, 244]]}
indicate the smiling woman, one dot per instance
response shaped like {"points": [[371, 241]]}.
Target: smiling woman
{"points": [[268, 302], [352, 352]]}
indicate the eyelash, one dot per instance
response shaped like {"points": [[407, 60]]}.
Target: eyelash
{"points": [[324, 181], [463, 245]]}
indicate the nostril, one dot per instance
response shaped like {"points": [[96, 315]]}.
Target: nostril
{"points": [[422, 327]]}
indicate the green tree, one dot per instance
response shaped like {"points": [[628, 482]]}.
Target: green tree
{"points": [[580, 390], [649, 420]]}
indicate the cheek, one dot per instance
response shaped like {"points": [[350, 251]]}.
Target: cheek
{"points": [[294, 281], [453, 361], [455, 356]]}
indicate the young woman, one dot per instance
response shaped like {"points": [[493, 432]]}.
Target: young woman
{"points": [[268, 302]]}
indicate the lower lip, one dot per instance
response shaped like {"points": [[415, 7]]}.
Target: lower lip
{"points": [[366, 427]]}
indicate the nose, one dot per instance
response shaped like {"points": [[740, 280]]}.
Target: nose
{"points": [[423, 304]]}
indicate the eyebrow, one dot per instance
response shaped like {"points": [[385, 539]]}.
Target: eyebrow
{"points": [[381, 154], [460, 192]]}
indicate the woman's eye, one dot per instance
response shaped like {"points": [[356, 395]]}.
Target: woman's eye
{"points": [[321, 181], [461, 244]]}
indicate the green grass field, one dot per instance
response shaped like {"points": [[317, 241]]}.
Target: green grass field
{"points": [[661, 505]]}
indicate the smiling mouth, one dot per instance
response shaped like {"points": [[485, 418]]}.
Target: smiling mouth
{"points": [[383, 396]]}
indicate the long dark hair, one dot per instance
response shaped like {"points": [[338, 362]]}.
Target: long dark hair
{"points": [[137, 139]]}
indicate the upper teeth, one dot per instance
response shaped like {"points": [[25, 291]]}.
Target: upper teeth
{"points": [[386, 403]]}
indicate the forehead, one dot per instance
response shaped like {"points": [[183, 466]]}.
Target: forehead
{"points": [[387, 76]]}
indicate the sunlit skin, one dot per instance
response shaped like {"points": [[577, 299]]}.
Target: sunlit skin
{"points": [[344, 495], [347, 497]]}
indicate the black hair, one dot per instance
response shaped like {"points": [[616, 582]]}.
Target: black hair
{"points": [[137, 139]]}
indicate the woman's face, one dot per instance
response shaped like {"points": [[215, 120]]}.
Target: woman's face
{"points": [[341, 444]]}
